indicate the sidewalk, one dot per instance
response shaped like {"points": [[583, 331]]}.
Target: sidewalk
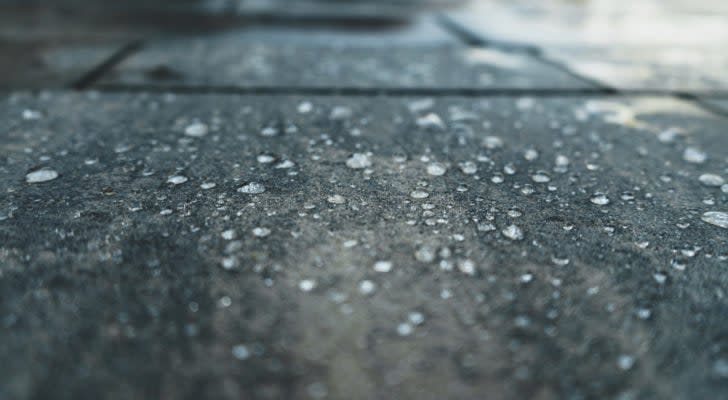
{"points": [[422, 208]]}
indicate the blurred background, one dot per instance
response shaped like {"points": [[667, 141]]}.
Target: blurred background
{"points": [[646, 44]]}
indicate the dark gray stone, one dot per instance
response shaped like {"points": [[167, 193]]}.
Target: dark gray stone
{"points": [[104, 294], [418, 56]]}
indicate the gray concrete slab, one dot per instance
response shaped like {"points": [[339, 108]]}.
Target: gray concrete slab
{"points": [[718, 103], [342, 9], [48, 64], [159, 246], [417, 56]]}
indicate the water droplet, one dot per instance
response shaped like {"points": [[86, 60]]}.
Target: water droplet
{"points": [[41, 175], [530, 154], [467, 267], [307, 285], [305, 107], [228, 234], [177, 179], [416, 318], [513, 232], [562, 164], [514, 213], [339, 113], [229, 263], [418, 106], [367, 287], [261, 232], [358, 161], [644, 313], [241, 352], [252, 188], [720, 368], [599, 199], [560, 261], [336, 199], [425, 254], [419, 194], [404, 329], [678, 264], [668, 136], [525, 103], [468, 167], [269, 131], [711, 180], [383, 266], [430, 121], [492, 142], [284, 164], [30, 115], [265, 158], [196, 129], [625, 362], [207, 185], [540, 177], [436, 169], [717, 218], [694, 155]]}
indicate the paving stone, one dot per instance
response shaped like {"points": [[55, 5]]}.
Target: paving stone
{"points": [[720, 104], [417, 56], [162, 246], [666, 68], [600, 23], [677, 46], [50, 64], [347, 9]]}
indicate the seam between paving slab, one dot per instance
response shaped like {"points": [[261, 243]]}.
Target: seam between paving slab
{"points": [[95, 74]]}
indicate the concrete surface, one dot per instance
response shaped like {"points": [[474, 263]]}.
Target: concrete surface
{"points": [[213, 216]]}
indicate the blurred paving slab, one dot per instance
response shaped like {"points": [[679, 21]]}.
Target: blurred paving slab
{"points": [[47, 64], [334, 9], [656, 68], [720, 104], [313, 247], [650, 45], [420, 55], [598, 23]]}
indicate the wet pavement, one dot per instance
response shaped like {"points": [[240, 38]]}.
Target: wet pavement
{"points": [[261, 209]]}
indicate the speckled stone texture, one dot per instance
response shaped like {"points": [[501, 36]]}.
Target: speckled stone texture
{"points": [[117, 283]]}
